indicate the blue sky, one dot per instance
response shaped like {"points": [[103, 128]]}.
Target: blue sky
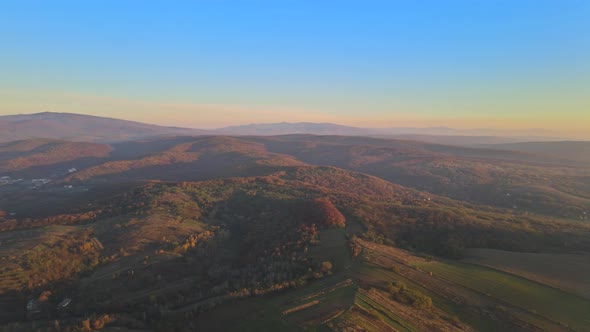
{"points": [[210, 63]]}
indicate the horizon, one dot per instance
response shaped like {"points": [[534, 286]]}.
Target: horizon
{"points": [[295, 165], [539, 133], [497, 66]]}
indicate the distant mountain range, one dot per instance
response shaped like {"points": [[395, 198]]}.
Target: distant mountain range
{"points": [[478, 175], [288, 232], [429, 134], [285, 128], [78, 127], [570, 150]]}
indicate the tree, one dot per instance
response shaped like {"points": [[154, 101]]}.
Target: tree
{"points": [[326, 267], [321, 211]]}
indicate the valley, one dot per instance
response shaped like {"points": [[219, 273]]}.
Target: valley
{"points": [[291, 232], [320, 245], [298, 166]]}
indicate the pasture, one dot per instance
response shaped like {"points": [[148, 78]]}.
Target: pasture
{"points": [[560, 307], [568, 272]]}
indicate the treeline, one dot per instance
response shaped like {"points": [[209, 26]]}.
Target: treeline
{"points": [[63, 260], [447, 232], [136, 202]]}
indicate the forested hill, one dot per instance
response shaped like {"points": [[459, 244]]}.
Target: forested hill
{"points": [[168, 254], [79, 127]]}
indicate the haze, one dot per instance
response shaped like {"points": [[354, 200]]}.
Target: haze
{"points": [[462, 64], [295, 165]]}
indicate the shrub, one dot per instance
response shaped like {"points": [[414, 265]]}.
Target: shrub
{"points": [[326, 267], [402, 294]]}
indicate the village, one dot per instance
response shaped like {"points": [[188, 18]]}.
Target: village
{"points": [[34, 183], [42, 185]]}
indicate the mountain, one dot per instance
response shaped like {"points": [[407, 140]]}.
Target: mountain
{"points": [[499, 178], [568, 150], [445, 131], [472, 141], [339, 232], [285, 128], [516, 180], [298, 248], [191, 158], [290, 233], [50, 154], [443, 135], [78, 127]]}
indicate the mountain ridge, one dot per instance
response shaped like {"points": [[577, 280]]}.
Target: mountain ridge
{"points": [[80, 127], [90, 128]]}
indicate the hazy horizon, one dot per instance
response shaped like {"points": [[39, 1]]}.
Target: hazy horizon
{"points": [[462, 65], [532, 133], [295, 165]]}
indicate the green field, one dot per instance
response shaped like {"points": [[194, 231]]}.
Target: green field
{"points": [[556, 305], [568, 272], [333, 247], [390, 318]]}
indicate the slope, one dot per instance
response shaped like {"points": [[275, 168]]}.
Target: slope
{"points": [[78, 127], [169, 252], [568, 150], [514, 180]]}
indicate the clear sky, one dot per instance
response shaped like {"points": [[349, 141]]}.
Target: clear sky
{"points": [[463, 64]]}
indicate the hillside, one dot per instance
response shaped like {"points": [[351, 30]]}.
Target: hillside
{"points": [[519, 181], [176, 253], [284, 128], [567, 150], [514, 180], [78, 127], [44, 155], [493, 142], [197, 158], [295, 166], [442, 135]]}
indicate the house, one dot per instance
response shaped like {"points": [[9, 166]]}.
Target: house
{"points": [[64, 303], [33, 307], [38, 182]]}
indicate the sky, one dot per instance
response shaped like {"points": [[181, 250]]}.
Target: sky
{"points": [[505, 64]]}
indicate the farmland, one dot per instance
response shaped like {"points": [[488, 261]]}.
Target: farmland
{"points": [[508, 290], [288, 246], [321, 166], [567, 272]]}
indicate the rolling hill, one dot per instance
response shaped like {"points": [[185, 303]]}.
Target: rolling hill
{"points": [[473, 140], [198, 158], [48, 155], [286, 128], [293, 232], [442, 135], [301, 247], [522, 182], [78, 127], [567, 150]]}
